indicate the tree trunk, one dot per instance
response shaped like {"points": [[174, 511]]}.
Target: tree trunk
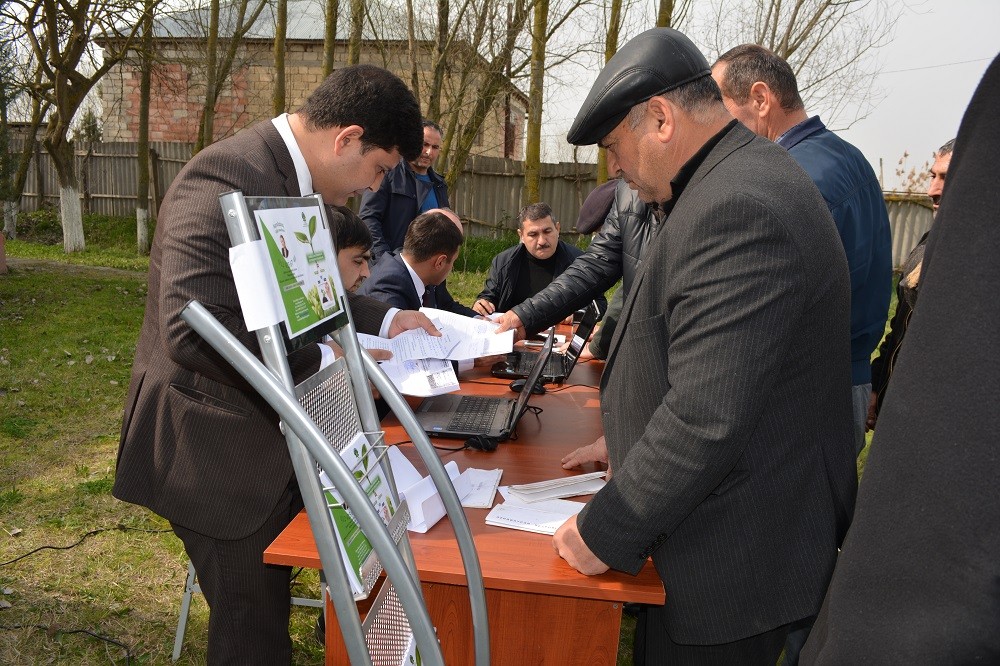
{"points": [[10, 209], [330, 36], [411, 42], [437, 76], [664, 17], [610, 49], [71, 216], [357, 23], [207, 125], [280, 31], [142, 188], [533, 147]]}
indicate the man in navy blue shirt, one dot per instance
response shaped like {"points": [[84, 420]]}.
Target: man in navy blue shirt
{"points": [[760, 90], [408, 190]]}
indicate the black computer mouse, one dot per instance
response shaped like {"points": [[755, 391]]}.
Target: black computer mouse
{"points": [[518, 385]]}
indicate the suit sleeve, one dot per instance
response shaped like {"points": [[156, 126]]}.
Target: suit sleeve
{"points": [[373, 211], [742, 283], [368, 313]]}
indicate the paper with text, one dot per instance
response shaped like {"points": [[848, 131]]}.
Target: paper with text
{"points": [[421, 377], [474, 337]]}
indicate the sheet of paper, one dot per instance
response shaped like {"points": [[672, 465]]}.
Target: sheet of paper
{"points": [[474, 337], [410, 345], [545, 520], [421, 377], [254, 285], [483, 485]]}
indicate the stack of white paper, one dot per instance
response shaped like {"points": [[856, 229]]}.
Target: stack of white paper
{"points": [[567, 486]]}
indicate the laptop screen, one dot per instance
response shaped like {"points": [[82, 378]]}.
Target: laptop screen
{"points": [[582, 332], [533, 377]]}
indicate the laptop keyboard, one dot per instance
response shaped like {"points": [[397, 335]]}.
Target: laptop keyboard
{"points": [[474, 413]]}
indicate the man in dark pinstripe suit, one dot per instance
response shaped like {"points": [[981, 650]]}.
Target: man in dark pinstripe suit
{"points": [[726, 400], [199, 446]]}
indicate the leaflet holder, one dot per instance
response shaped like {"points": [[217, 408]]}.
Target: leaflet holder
{"points": [[320, 417]]}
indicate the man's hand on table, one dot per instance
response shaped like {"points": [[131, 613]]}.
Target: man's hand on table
{"points": [[406, 320], [596, 452], [571, 547], [508, 321]]}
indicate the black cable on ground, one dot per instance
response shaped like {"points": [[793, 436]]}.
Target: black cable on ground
{"points": [[120, 528], [55, 631]]}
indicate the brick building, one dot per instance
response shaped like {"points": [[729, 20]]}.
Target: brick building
{"points": [[178, 83]]}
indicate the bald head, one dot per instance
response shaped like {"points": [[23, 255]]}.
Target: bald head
{"points": [[451, 215]]}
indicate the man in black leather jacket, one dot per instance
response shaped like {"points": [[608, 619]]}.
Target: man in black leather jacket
{"points": [[615, 253]]}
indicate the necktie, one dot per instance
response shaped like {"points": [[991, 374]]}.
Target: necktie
{"points": [[429, 301]]}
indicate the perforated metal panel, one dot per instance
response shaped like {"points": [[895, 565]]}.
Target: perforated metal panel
{"points": [[387, 632], [327, 398]]}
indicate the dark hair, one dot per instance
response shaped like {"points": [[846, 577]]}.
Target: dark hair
{"points": [[748, 63], [347, 228], [946, 149], [431, 234], [373, 98], [535, 211], [699, 98], [434, 125]]}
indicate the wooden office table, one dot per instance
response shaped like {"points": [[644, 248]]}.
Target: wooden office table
{"points": [[540, 610]]}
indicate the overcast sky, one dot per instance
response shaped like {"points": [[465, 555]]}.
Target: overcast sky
{"points": [[927, 76]]}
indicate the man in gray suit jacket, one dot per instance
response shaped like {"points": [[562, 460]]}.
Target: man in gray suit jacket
{"points": [[726, 400], [199, 446]]}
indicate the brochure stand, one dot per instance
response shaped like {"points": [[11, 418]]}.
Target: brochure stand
{"points": [[322, 418]]}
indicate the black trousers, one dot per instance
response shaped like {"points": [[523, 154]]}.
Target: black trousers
{"points": [[654, 647], [248, 600]]}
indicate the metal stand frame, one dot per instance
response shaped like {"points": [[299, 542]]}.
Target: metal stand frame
{"points": [[399, 612]]}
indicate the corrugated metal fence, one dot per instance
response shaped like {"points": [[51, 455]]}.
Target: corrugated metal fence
{"points": [[487, 195]]}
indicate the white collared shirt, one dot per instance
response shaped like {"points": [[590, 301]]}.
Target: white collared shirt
{"points": [[417, 282], [305, 188]]}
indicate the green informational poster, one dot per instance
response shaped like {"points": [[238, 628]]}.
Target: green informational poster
{"points": [[300, 249]]}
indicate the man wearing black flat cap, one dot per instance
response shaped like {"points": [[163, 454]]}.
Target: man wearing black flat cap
{"points": [[726, 400]]}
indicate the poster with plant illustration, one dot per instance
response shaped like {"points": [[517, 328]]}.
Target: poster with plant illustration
{"points": [[301, 250]]}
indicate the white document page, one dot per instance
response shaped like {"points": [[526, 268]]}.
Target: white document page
{"points": [[475, 337], [421, 377], [410, 345]]}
